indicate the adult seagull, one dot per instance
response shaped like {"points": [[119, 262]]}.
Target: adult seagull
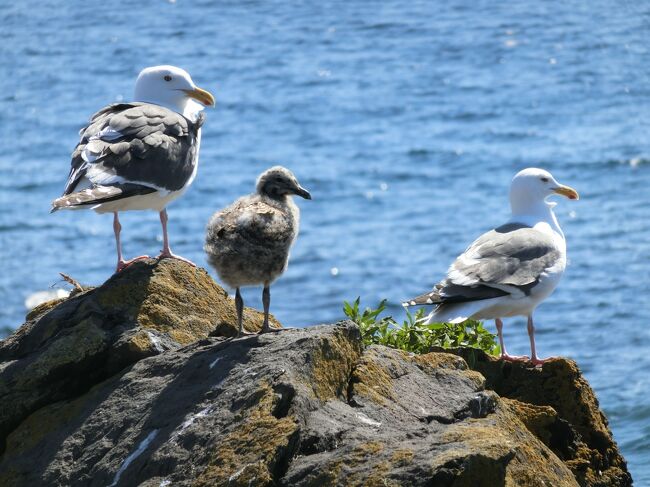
{"points": [[510, 270], [139, 155]]}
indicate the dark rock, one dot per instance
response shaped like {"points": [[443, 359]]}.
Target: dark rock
{"points": [[419, 420], [556, 403], [305, 407], [69, 345], [276, 409]]}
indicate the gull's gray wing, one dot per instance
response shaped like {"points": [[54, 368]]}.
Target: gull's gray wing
{"points": [[138, 143], [507, 260]]}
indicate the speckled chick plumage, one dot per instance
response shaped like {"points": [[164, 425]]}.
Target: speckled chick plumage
{"points": [[248, 242]]}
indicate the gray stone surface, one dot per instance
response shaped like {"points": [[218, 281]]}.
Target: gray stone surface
{"points": [[298, 407], [127, 385], [69, 345]]}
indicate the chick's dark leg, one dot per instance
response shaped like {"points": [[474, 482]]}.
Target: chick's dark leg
{"points": [[266, 301], [239, 306]]}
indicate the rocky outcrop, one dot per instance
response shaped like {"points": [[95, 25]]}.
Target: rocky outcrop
{"points": [[300, 407], [556, 403], [69, 345]]}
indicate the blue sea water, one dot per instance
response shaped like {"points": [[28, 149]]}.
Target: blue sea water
{"points": [[405, 119]]}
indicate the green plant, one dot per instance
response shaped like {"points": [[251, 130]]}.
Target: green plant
{"points": [[414, 334]]}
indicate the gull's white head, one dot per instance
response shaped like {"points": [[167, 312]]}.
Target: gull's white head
{"points": [[530, 188], [173, 88]]}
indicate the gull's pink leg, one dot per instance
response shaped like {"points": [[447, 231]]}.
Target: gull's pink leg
{"points": [[166, 251], [117, 228], [533, 353], [121, 263], [504, 354]]}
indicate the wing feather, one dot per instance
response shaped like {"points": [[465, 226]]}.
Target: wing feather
{"points": [[135, 142], [98, 195], [507, 260]]}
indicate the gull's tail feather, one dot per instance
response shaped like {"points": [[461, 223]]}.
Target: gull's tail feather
{"points": [[448, 293], [99, 194], [455, 312], [432, 297]]}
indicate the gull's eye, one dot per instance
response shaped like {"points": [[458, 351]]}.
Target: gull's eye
{"points": [[167, 77], [544, 180]]}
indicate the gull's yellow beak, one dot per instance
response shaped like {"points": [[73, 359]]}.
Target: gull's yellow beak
{"points": [[202, 96], [567, 191]]}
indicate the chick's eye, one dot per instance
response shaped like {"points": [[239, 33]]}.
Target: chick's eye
{"points": [[167, 77], [544, 180]]}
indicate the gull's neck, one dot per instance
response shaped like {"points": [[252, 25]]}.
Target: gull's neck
{"points": [[187, 107], [538, 214], [191, 110]]}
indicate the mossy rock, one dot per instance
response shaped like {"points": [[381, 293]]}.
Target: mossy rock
{"points": [[68, 345]]}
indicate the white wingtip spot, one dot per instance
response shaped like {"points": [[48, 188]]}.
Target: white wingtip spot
{"points": [[429, 301]]}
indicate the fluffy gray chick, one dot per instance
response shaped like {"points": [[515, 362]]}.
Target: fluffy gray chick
{"points": [[248, 242]]}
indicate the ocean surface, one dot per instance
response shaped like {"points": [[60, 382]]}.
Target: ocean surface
{"points": [[405, 119]]}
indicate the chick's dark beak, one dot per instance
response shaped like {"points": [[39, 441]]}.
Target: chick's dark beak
{"points": [[302, 192]]}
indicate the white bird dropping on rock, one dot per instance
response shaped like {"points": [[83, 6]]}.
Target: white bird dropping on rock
{"points": [[139, 155], [248, 242], [510, 270]]}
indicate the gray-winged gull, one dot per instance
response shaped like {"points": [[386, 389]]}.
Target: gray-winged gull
{"points": [[248, 242], [510, 270], [139, 155]]}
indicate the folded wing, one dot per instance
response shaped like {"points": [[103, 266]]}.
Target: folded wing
{"points": [[507, 260], [133, 144]]}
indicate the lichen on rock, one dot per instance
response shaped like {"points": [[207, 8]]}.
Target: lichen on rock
{"points": [[253, 450]]}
